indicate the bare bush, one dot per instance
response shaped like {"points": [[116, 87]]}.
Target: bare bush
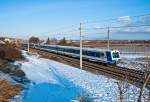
{"points": [[83, 98], [146, 80], [35, 40], [8, 90], [10, 52]]}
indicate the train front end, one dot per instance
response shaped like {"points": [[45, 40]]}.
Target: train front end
{"points": [[113, 56]]}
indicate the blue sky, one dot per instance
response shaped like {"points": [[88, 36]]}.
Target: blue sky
{"points": [[21, 18]]}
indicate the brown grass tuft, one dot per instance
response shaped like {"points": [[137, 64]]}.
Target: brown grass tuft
{"points": [[10, 51], [7, 90]]}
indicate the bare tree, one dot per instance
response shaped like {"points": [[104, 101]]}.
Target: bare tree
{"points": [[34, 40], [63, 41], [122, 87], [149, 97], [53, 41], [48, 41], [147, 77]]}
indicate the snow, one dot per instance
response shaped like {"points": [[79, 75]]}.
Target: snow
{"points": [[45, 92], [56, 82], [134, 60], [33, 71], [134, 54], [2, 42]]}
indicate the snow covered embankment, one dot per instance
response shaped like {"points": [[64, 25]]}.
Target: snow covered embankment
{"points": [[57, 82]]}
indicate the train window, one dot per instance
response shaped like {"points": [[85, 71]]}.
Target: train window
{"points": [[99, 54], [72, 50], [102, 54], [69, 50], [84, 52], [77, 51], [115, 55], [90, 53], [94, 54]]}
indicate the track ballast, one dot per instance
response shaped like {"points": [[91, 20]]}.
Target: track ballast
{"points": [[132, 76]]}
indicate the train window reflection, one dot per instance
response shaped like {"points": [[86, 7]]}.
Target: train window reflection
{"points": [[115, 54]]}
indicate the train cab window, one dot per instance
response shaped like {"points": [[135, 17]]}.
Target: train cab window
{"points": [[115, 55]]}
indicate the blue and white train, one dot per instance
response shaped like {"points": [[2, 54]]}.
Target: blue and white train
{"points": [[92, 54]]}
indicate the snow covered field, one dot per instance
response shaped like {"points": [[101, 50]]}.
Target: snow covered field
{"points": [[133, 60], [56, 82]]}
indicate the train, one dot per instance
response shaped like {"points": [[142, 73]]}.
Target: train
{"points": [[92, 54]]}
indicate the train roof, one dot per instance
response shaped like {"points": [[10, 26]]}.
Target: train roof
{"points": [[72, 47]]}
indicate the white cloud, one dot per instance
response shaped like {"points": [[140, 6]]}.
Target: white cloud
{"points": [[124, 18], [147, 29]]}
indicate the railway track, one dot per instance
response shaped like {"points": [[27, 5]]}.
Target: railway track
{"points": [[111, 70], [135, 77]]}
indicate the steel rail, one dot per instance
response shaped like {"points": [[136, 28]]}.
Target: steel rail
{"points": [[135, 77]]}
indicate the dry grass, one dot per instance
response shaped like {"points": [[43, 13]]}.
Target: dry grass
{"points": [[83, 98], [14, 70], [10, 52], [7, 90]]}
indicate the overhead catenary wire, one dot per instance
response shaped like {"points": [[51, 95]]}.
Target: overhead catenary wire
{"points": [[131, 26], [115, 19], [99, 21], [73, 29]]}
